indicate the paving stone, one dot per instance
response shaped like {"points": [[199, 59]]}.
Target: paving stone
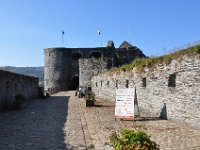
{"points": [[39, 126], [168, 134], [65, 123]]}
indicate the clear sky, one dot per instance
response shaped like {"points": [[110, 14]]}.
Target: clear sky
{"points": [[155, 26]]}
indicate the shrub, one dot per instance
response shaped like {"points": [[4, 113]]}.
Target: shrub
{"points": [[19, 100], [132, 140], [90, 96], [140, 63], [196, 49]]}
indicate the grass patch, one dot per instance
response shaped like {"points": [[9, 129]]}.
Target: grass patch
{"points": [[139, 64]]}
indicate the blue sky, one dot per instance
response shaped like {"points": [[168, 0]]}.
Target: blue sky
{"points": [[155, 26]]}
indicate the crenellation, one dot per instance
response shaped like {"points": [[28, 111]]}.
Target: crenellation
{"points": [[68, 68], [181, 95], [171, 81]]}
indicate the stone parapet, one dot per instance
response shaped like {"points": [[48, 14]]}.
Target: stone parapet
{"points": [[173, 87], [12, 84]]}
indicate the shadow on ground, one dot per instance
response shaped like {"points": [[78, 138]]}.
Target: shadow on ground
{"points": [[38, 126], [147, 119]]}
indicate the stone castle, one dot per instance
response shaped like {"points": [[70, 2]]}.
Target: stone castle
{"points": [[166, 86], [69, 68]]}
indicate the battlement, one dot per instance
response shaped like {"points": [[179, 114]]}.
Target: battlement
{"points": [[62, 64]]}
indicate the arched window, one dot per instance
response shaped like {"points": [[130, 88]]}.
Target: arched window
{"points": [[76, 56], [74, 83], [95, 55]]}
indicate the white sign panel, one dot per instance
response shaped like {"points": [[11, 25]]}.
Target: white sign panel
{"points": [[124, 103]]}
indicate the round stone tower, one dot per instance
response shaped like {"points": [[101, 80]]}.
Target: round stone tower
{"points": [[53, 70], [67, 68]]}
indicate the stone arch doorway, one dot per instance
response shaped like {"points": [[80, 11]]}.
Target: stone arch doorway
{"points": [[74, 83], [75, 63], [76, 56], [95, 55]]}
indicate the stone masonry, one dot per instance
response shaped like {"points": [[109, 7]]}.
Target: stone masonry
{"points": [[89, 68], [173, 88], [12, 84], [62, 67]]}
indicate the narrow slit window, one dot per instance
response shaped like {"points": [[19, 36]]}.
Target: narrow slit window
{"points": [[116, 84], [172, 80], [108, 83], [101, 83], [127, 83], [144, 82]]}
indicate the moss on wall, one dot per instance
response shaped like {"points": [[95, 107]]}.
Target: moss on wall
{"points": [[139, 64]]}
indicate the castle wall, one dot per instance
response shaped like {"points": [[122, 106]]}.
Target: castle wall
{"points": [[62, 66], [89, 68], [63, 71], [176, 84], [12, 84]]}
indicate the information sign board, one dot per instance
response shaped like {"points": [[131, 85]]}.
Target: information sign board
{"points": [[124, 103]]}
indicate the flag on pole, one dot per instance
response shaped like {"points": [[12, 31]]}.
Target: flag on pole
{"points": [[62, 36], [99, 33]]}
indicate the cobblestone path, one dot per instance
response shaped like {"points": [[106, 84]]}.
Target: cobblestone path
{"points": [[98, 124], [63, 122], [167, 134], [38, 126]]}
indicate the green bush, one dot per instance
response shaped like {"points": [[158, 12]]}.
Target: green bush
{"points": [[90, 96], [132, 140], [196, 49], [140, 63], [19, 100]]}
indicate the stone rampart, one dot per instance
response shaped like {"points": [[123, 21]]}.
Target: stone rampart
{"points": [[62, 70], [12, 84], [172, 87], [90, 67]]}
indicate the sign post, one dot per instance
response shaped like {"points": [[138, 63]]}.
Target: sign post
{"points": [[124, 104]]}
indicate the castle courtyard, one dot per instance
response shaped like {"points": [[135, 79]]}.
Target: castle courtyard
{"points": [[63, 122]]}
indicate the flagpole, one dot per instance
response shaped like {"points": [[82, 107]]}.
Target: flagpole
{"points": [[99, 33], [62, 37], [101, 41]]}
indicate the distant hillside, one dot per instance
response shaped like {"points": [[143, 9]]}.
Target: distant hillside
{"points": [[30, 71]]}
